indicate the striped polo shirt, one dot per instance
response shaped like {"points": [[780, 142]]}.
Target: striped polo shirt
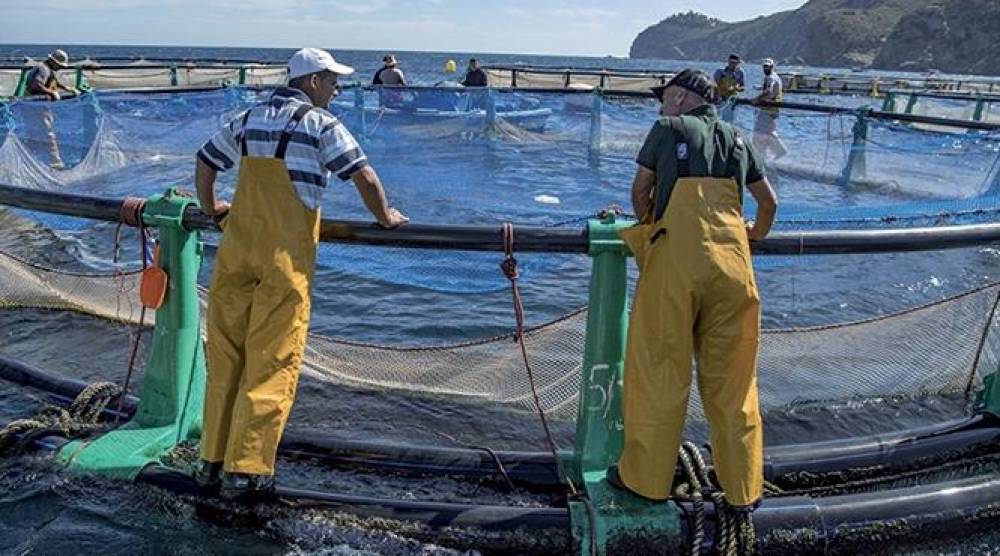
{"points": [[319, 145]]}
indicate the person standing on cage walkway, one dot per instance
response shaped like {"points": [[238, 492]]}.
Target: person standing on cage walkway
{"points": [[259, 301], [731, 82], [43, 80], [475, 75], [696, 295], [765, 129]]}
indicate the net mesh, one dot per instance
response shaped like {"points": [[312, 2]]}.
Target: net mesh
{"points": [[941, 348], [529, 78], [146, 74]]}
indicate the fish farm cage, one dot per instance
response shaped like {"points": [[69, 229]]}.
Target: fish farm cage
{"points": [[910, 197]]}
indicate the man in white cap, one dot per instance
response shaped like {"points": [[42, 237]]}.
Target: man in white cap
{"points": [[765, 129], [42, 80], [258, 304]]}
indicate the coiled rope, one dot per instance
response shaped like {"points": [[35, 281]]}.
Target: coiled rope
{"points": [[734, 530], [80, 419]]}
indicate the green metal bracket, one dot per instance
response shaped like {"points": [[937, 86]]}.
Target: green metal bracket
{"points": [[598, 424], [173, 387], [22, 83], [608, 519]]}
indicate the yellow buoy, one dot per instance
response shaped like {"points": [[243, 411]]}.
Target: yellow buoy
{"points": [[450, 66]]}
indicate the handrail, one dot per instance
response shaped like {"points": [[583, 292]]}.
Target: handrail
{"points": [[27, 59], [179, 65], [532, 238], [948, 95], [594, 71], [465, 238]]}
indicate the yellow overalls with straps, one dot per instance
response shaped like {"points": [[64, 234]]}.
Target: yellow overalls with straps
{"points": [[695, 295], [258, 312]]}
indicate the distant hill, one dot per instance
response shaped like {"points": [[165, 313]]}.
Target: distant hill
{"points": [[955, 36]]}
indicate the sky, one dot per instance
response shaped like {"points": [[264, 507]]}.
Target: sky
{"points": [[582, 27]]}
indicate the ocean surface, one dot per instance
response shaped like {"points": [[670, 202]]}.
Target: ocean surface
{"points": [[448, 172]]}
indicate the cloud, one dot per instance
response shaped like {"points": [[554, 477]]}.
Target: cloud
{"points": [[585, 13], [370, 6]]}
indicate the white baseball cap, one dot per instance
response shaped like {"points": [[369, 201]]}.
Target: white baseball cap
{"points": [[312, 60]]}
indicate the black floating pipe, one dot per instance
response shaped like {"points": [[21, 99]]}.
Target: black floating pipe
{"points": [[535, 239], [536, 470], [864, 523], [496, 529]]}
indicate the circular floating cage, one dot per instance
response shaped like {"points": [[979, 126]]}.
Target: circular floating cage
{"points": [[876, 198]]}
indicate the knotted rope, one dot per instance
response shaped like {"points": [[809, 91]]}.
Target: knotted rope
{"points": [[80, 419]]}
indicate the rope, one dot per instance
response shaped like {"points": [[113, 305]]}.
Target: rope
{"points": [[130, 214], [734, 530], [79, 420], [499, 463], [509, 268]]}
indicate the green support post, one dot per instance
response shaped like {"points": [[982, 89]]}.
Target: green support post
{"points": [[889, 103], [988, 400], [78, 82], [22, 83], [609, 520], [857, 164], [980, 108], [243, 75], [911, 103], [173, 76], [173, 389]]}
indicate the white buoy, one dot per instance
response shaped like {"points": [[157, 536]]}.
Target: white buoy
{"points": [[547, 199]]}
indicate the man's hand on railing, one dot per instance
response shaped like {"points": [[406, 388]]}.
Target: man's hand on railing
{"points": [[219, 210], [393, 219]]}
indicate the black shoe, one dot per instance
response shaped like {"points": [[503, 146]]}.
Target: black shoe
{"points": [[208, 474], [246, 485]]}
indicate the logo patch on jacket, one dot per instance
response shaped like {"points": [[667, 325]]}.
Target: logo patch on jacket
{"points": [[682, 151]]}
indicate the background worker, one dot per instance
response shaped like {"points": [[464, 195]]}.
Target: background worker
{"points": [[475, 75], [390, 75], [731, 83], [259, 301], [43, 80], [696, 295], [765, 129]]}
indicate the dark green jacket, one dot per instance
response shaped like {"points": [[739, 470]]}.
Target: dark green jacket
{"points": [[697, 144]]}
